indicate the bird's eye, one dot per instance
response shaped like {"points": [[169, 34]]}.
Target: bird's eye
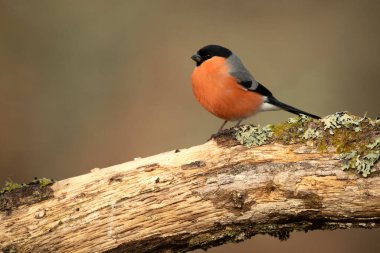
{"points": [[208, 56]]}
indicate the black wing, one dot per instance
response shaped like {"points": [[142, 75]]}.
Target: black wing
{"points": [[262, 90]]}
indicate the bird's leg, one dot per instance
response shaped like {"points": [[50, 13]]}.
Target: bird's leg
{"points": [[238, 123], [221, 128]]}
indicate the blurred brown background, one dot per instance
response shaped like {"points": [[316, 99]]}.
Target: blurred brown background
{"points": [[87, 84]]}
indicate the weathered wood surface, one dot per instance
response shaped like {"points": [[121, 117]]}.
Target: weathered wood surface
{"points": [[191, 198]]}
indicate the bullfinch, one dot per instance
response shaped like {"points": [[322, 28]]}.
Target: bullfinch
{"points": [[224, 87]]}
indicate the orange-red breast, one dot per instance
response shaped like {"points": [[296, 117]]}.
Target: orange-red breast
{"points": [[224, 87]]}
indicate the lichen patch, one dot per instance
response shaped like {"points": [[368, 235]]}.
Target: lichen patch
{"points": [[250, 135], [356, 139], [14, 195]]}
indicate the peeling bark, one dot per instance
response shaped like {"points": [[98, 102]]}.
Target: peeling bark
{"points": [[192, 198]]}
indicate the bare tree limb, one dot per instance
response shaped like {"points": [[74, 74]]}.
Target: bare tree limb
{"points": [[192, 198]]}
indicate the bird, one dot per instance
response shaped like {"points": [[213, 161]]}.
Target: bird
{"points": [[225, 88]]}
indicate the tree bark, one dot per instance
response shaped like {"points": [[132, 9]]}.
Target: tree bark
{"points": [[191, 198]]}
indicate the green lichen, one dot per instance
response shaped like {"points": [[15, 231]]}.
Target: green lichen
{"points": [[250, 135], [292, 131], [341, 119], [300, 119], [375, 144], [363, 162], [42, 182], [10, 186], [14, 195], [355, 138], [311, 134], [342, 133]]}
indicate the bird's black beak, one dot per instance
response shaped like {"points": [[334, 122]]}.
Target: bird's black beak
{"points": [[197, 58]]}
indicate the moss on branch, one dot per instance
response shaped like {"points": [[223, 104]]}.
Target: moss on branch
{"points": [[355, 139]]}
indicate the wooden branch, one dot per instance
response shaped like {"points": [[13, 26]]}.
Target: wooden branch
{"points": [[191, 198]]}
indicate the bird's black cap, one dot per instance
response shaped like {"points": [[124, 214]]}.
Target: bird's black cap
{"points": [[210, 51]]}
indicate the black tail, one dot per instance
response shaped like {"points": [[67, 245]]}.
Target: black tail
{"points": [[272, 100]]}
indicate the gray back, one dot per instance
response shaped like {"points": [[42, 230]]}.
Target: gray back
{"points": [[242, 75]]}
